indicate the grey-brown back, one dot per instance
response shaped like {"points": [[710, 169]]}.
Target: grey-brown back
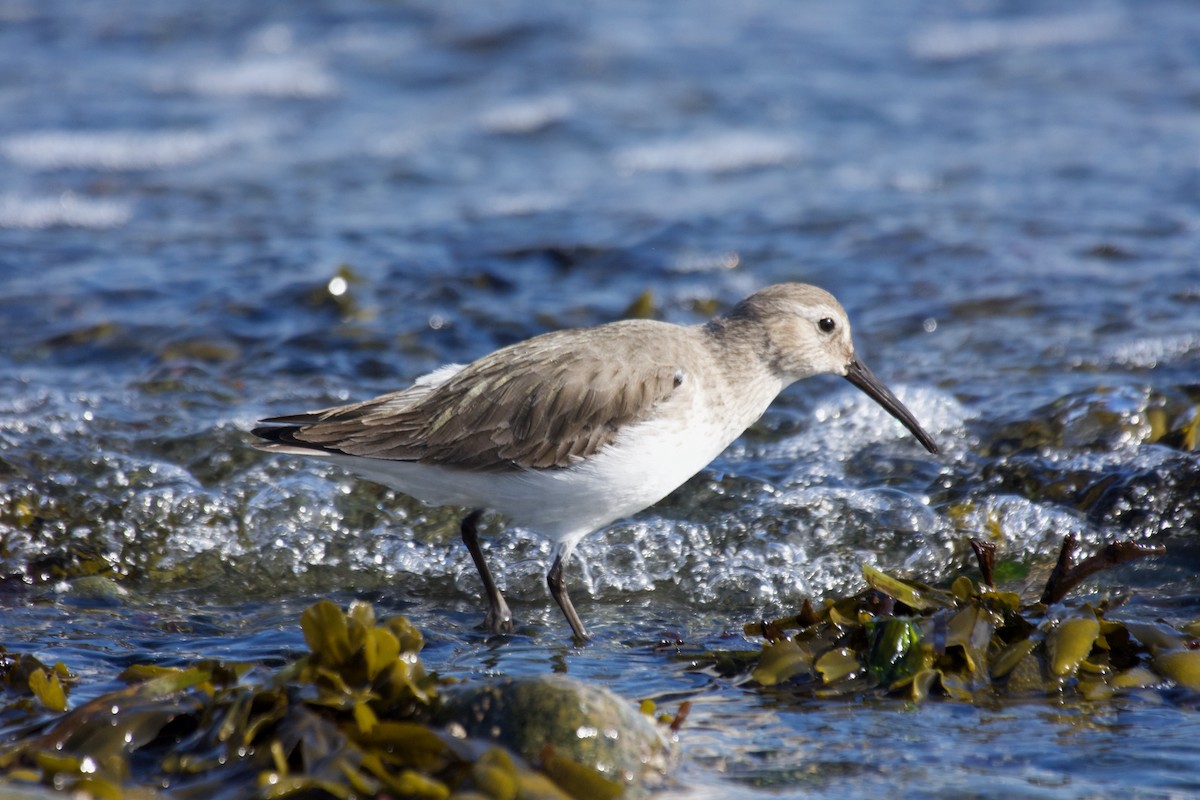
{"points": [[548, 402]]}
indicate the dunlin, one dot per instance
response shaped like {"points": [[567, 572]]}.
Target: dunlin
{"points": [[571, 430]]}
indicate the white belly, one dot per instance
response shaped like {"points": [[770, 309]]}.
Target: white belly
{"points": [[644, 464], [637, 470]]}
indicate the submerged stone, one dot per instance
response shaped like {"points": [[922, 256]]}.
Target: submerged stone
{"points": [[557, 716], [96, 590]]}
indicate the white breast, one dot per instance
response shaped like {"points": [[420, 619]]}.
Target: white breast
{"points": [[644, 464]]}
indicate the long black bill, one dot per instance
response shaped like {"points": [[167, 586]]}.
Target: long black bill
{"points": [[863, 378]]}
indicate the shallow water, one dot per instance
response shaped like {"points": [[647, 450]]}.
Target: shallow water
{"points": [[1003, 197]]}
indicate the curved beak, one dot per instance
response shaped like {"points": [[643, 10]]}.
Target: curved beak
{"points": [[864, 379]]}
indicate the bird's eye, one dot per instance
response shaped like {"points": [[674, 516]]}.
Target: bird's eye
{"points": [[826, 325]]}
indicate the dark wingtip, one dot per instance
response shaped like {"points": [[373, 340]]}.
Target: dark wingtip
{"points": [[286, 439], [272, 433], [275, 437]]}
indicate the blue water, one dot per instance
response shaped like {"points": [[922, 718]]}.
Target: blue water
{"points": [[1005, 197]]}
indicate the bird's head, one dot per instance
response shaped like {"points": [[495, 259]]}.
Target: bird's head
{"points": [[805, 332]]}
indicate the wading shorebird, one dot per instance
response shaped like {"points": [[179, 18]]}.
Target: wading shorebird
{"points": [[568, 431]]}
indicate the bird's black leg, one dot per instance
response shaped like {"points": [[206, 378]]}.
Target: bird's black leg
{"points": [[499, 618], [558, 590]]}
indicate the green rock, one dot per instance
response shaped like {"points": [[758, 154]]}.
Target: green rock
{"points": [[99, 590], [554, 717]]}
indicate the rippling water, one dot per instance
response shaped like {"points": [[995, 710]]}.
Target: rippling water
{"points": [[210, 214]]}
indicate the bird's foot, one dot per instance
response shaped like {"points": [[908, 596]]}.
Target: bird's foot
{"points": [[498, 621]]}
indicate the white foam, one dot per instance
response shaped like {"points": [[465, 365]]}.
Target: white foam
{"points": [[110, 150], [1021, 527], [849, 421], [66, 210], [697, 261], [526, 116], [520, 204], [903, 515], [725, 152], [1149, 352], [265, 76], [959, 40]]}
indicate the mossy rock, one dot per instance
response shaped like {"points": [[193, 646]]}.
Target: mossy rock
{"points": [[554, 717]]}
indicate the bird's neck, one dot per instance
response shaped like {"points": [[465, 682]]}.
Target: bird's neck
{"points": [[744, 358], [740, 344]]}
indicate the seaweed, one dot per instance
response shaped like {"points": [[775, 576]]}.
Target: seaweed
{"points": [[351, 718], [973, 642]]}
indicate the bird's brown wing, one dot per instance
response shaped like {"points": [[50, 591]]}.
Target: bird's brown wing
{"points": [[544, 403]]}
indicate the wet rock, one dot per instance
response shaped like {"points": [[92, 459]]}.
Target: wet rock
{"points": [[96, 591], [1155, 499], [1121, 457], [554, 715], [1102, 419]]}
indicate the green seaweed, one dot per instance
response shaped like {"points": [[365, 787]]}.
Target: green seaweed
{"points": [[895, 650], [973, 643], [352, 718], [30, 688]]}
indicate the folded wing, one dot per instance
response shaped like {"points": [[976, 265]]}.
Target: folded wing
{"points": [[545, 403]]}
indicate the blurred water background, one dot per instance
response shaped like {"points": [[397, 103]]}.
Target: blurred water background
{"points": [[214, 212]]}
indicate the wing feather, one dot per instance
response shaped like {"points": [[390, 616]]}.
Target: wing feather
{"points": [[545, 403]]}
